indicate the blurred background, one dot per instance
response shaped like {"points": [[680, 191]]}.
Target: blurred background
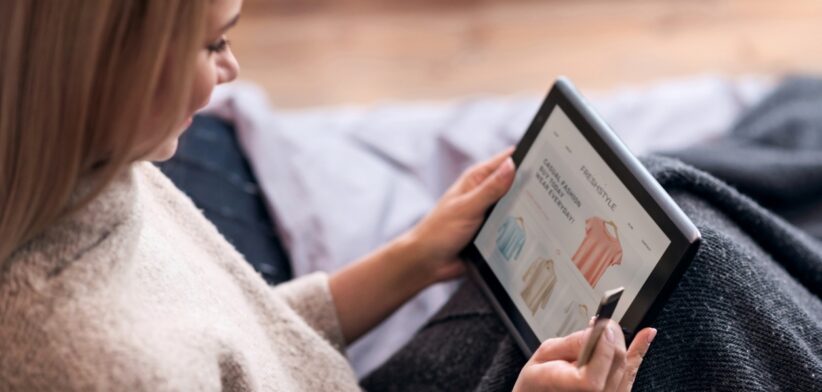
{"points": [[324, 52]]}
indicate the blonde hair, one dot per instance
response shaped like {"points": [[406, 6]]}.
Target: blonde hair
{"points": [[78, 80]]}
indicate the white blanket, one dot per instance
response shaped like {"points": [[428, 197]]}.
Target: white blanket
{"points": [[341, 181]]}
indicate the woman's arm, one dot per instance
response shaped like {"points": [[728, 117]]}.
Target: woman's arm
{"points": [[368, 291]]}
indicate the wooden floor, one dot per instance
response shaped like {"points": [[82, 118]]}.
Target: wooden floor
{"points": [[358, 51]]}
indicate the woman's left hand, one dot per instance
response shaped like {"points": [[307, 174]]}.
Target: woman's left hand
{"points": [[425, 254], [444, 232]]}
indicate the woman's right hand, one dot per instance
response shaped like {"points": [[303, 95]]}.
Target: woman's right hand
{"points": [[611, 368]]}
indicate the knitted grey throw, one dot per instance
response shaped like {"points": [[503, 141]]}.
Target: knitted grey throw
{"points": [[747, 314]]}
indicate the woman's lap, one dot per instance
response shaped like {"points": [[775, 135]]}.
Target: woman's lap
{"points": [[463, 347]]}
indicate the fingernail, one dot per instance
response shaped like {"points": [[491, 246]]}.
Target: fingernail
{"points": [[609, 334], [591, 321], [506, 168], [652, 336]]}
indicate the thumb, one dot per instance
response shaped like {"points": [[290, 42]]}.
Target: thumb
{"points": [[492, 188]]}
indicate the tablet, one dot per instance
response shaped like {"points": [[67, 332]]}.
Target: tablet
{"points": [[583, 216]]}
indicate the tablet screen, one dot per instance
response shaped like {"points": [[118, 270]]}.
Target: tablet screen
{"points": [[566, 232]]}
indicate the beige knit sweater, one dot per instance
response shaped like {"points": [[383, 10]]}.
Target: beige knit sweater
{"points": [[139, 292]]}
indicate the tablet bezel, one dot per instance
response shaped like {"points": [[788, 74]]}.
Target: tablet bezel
{"points": [[683, 234]]}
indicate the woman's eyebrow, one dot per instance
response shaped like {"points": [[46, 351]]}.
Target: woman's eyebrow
{"points": [[230, 23]]}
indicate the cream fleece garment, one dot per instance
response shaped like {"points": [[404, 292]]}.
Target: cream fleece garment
{"points": [[139, 292]]}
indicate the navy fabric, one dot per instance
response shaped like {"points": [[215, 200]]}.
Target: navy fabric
{"points": [[211, 169]]}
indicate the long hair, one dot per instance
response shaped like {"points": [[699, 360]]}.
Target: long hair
{"points": [[79, 79]]}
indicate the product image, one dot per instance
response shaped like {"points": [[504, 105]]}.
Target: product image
{"points": [[511, 237], [599, 250], [539, 279], [576, 318]]}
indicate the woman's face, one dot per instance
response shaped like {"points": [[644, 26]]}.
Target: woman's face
{"points": [[215, 65]]}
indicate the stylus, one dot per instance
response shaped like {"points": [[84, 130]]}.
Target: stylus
{"points": [[604, 313]]}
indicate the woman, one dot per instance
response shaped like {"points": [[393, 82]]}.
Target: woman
{"points": [[111, 279]]}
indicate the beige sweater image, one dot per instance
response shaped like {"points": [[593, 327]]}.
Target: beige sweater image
{"points": [[139, 292]]}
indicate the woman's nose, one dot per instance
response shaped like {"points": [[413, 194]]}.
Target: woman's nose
{"points": [[229, 67]]}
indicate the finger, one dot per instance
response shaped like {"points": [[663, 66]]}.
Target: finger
{"points": [[476, 174], [618, 365], [490, 190], [554, 376], [566, 348], [636, 353], [597, 369]]}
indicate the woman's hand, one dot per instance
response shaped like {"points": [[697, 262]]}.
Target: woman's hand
{"points": [[611, 368], [440, 236], [367, 291]]}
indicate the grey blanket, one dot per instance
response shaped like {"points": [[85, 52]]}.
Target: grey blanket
{"points": [[746, 315]]}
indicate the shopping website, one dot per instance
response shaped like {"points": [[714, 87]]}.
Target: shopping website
{"points": [[566, 232]]}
